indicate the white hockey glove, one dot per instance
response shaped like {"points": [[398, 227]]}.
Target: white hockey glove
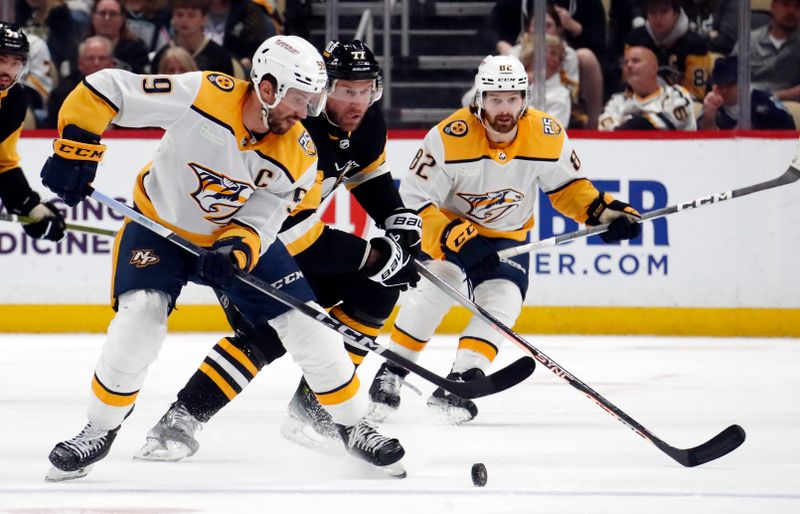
{"points": [[405, 227], [393, 267]]}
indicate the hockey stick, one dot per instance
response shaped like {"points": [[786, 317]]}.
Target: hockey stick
{"points": [[507, 377], [719, 445], [792, 174], [78, 228]]}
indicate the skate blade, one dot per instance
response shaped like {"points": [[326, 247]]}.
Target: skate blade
{"points": [[58, 475], [300, 433], [378, 412], [170, 451], [447, 414], [396, 470]]}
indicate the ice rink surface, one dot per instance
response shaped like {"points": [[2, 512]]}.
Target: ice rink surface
{"points": [[548, 449]]}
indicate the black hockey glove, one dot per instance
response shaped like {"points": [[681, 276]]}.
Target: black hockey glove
{"points": [[475, 253], [73, 165], [623, 219], [393, 267], [218, 265], [405, 227], [50, 224]]}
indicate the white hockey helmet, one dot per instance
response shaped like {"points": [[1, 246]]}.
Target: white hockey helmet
{"points": [[294, 64], [500, 73]]}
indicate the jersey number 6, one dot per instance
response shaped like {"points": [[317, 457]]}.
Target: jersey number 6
{"points": [[155, 85]]}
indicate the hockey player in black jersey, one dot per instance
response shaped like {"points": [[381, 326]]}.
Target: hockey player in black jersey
{"points": [[343, 270], [15, 192]]}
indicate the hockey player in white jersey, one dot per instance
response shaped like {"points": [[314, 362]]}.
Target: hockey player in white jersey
{"points": [[647, 103], [231, 165], [474, 183]]}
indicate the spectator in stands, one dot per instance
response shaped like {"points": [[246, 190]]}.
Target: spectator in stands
{"points": [[38, 78], [176, 60], [189, 17], [149, 21], [109, 21], [715, 20], [721, 109], [682, 54], [52, 21], [239, 26], [558, 98], [775, 52], [585, 28], [95, 53], [647, 105]]}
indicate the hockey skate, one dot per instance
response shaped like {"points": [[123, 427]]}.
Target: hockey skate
{"points": [[365, 442], [452, 408], [384, 394], [308, 423], [73, 458], [172, 438]]}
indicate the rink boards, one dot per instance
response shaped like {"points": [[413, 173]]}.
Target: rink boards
{"points": [[728, 269]]}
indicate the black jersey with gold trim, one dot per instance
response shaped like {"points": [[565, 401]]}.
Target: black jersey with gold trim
{"points": [[12, 114]]}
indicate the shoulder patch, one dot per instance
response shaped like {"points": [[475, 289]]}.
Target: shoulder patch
{"points": [[457, 128], [550, 127], [223, 82], [307, 144]]}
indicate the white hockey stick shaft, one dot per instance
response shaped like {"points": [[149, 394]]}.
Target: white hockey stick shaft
{"points": [[792, 174]]}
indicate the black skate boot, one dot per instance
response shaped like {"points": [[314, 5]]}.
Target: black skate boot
{"points": [[452, 408], [308, 423], [365, 442], [173, 437], [74, 458], [384, 393]]}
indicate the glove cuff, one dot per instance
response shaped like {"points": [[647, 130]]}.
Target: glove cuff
{"points": [[77, 151]]}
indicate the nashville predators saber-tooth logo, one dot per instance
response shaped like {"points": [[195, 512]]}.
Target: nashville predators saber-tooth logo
{"points": [[492, 206], [218, 195]]}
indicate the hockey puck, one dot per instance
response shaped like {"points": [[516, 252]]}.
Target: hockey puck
{"points": [[479, 475]]}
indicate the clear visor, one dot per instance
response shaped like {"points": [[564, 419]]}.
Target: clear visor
{"points": [[303, 101], [361, 92]]}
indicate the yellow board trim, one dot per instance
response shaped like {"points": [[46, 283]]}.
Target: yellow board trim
{"points": [[663, 321]]}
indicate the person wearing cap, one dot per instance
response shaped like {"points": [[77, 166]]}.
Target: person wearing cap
{"points": [[721, 104], [682, 54]]}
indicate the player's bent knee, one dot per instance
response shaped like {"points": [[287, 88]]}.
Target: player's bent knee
{"points": [[137, 331], [501, 298]]}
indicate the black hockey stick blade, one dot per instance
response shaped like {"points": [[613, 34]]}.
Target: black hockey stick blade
{"points": [[716, 447], [500, 380]]}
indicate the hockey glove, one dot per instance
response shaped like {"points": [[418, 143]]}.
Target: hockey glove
{"points": [[219, 264], [73, 165], [623, 219], [50, 223], [475, 253], [405, 227], [393, 267]]}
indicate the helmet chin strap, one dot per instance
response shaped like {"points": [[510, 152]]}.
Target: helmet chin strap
{"points": [[265, 107]]}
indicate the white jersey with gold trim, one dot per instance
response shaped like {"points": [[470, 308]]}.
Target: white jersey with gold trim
{"points": [[208, 170], [669, 108], [459, 173]]}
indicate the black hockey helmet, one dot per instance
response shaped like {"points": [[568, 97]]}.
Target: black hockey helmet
{"points": [[350, 60], [13, 41]]}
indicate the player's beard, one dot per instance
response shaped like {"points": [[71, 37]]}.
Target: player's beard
{"points": [[280, 124], [502, 123], [5, 81], [350, 121]]}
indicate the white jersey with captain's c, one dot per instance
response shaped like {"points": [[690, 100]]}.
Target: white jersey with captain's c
{"points": [[208, 170], [459, 173]]}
